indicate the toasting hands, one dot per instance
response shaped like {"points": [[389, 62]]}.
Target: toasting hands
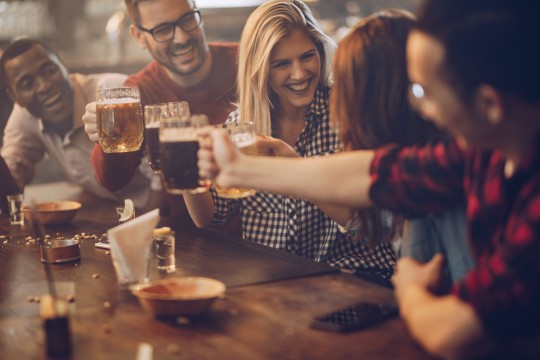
{"points": [[217, 155], [270, 146], [90, 122]]}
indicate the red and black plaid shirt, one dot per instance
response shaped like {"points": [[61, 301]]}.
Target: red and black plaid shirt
{"points": [[503, 222]]}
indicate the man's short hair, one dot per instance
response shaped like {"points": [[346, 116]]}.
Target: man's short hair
{"points": [[492, 42], [16, 48], [133, 10]]}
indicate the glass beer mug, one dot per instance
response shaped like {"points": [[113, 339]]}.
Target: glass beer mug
{"points": [[244, 137], [119, 119], [178, 146], [152, 117]]}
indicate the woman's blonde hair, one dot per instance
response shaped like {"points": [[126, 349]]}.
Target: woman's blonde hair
{"points": [[265, 27]]}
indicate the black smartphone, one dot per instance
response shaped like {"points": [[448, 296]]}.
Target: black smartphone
{"points": [[355, 317]]}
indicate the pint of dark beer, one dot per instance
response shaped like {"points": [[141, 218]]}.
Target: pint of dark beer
{"points": [[178, 146], [152, 117], [119, 119], [152, 114]]}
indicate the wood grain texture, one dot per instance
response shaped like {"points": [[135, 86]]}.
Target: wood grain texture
{"points": [[271, 299]]}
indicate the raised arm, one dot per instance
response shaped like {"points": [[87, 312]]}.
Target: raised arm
{"points": [[341, 179], [270, 146]]}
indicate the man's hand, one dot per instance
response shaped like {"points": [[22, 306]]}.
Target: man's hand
{"points": [[410, 272], [216, 155], [90, 122]]}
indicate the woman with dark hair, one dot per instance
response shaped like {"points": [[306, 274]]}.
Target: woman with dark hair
{"points": [[369, 100], [370, 105]]}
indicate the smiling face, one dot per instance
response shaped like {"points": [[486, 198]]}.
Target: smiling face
{"points": [[295, 68], [39, 82], [186, 52]]}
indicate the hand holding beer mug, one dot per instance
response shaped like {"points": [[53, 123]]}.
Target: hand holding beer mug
{"points": [[243, 136], [152, 116], [178, 146], [119, 119]]}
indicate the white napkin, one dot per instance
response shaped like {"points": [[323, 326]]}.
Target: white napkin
{"points": [[130, 246]]}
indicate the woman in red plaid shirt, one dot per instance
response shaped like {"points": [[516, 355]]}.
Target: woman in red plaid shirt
{"points": [[474, 68]]}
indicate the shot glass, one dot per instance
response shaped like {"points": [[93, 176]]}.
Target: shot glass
{"points": [[163, 249], [16, 216]]}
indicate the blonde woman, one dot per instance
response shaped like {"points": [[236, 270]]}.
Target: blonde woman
{"points": [[283, 85]]}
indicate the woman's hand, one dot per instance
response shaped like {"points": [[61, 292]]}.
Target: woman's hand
{"points": [[269, 146], [217, 154], [90, 122]]}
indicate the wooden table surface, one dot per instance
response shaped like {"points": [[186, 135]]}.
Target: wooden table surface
{"points": [[271, 298]]}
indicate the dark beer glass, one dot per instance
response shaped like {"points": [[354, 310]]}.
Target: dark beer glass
{"points": [[178, 146], [152, 116]]}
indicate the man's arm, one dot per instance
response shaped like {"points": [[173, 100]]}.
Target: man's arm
{"points": [[446, 326], [341, 179], [22, 148], [7, 184], [114, 171]]}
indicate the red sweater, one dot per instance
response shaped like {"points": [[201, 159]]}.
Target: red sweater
{"points": [[213, 97]]}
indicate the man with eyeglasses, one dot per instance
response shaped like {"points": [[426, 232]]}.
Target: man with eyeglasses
{"points": [[185, 68]]}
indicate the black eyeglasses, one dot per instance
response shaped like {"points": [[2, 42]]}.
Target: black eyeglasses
{"points": [[165, 32]]}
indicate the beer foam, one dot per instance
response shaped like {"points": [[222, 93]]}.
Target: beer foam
{"points": [[126, 100], [178, 134], [152, 125], [243, 140]]}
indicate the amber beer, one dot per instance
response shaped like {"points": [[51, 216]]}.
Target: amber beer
{"points": [[119, 120], [245, 139], [178, 146]]}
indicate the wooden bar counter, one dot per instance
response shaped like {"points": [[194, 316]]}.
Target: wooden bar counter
{"points": [[271, 298]]}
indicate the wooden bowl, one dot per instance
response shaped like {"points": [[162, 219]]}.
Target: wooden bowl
{"points": [[55, 212], [181, 296]]}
